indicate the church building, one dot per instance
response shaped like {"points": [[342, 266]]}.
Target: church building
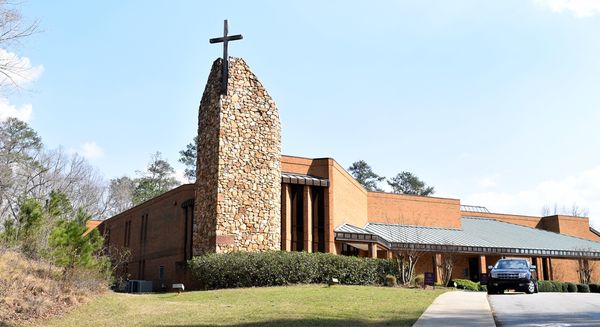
{"points": [[250, 197]]}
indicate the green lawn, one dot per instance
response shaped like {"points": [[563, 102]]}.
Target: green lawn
{"points": [[306, 305]]}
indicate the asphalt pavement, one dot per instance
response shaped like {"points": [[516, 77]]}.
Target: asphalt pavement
{"points": [[546, 309]]}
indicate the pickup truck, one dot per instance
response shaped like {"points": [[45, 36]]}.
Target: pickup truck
{"points": [[515, 274]]}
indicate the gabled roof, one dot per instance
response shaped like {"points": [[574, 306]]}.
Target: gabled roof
{"points": [[477, 235]]}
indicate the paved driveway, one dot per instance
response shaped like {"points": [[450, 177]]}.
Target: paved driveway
{"points": [[546, 309]]}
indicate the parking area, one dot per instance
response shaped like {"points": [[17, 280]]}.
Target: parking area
{"points": [[546, 309]]}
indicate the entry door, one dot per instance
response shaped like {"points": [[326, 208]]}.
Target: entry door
{"points": [[474, 269]]}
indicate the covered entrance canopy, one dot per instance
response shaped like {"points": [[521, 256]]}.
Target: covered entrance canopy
{"points": [[476, 235]]}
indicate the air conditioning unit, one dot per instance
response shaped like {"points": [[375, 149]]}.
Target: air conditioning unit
{"points": [[139, 286]]}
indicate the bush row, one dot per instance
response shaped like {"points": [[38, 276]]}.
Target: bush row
{"points": [[243, 269], [556, 286], [468, 285]]}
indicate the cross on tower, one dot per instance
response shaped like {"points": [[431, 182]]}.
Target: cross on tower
{"points": [[225, 39]]}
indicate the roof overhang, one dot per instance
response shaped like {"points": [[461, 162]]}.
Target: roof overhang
{"points": [[291, 178], [352, 234]]}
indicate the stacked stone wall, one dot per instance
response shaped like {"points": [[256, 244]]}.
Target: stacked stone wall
{"points": [[239, 166]]}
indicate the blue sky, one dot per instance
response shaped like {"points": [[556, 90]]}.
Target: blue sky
{"points": [[495, 103]]}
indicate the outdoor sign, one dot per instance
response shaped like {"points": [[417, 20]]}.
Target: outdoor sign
{"points": [[429, 279], [483, 278]]}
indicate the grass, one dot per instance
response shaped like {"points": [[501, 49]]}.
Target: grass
{"points": [[305, 305]]}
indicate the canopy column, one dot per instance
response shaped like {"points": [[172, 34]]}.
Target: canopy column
{"points": [[307, 219], [372, 250]]}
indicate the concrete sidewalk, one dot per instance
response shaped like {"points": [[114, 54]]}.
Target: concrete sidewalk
{"points": [[460, 309]]}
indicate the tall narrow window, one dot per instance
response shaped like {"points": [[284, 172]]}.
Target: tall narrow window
{"points": [[297, 217], [127, 233], [318, 214], [144, 229]]}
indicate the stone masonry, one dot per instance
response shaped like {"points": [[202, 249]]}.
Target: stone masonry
{"points": [[238, 187]]}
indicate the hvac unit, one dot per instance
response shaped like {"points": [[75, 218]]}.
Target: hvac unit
{"points": [[139, 286]]}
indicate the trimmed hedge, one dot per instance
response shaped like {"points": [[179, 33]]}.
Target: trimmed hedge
{"points": [[595, 288], [551, 286], [565, 287], [571, 287], [557, 286], [274, 268], [544, 286], [583, 288]]}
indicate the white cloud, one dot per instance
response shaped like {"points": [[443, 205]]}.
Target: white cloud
{"points": [[180, 176], [8, 110], [581, 8], [582, 189], [91, 150], [487, 181], [18, 70]]}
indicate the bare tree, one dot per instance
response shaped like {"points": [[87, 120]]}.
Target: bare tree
{"points": [[46, 171], [120, 195], [446, 265], [14, 71], [585, 267], [574, 210], [407, 261]]}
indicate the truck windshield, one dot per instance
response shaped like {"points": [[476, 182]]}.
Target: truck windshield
{"points": [[511, 264]]}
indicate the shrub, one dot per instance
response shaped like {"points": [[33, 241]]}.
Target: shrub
{"points": [[583, 288], [391, 281], [465, 284], [482, 288], [419, 280], [545, 286], [556, 286], [595, 288], [565, 287], [571, 287], [244, 269]]}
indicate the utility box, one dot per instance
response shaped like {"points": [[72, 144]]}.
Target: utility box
{"points": [[139, 286]]}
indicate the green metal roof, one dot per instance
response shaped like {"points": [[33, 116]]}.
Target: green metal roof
{"points": [[475, 235]]}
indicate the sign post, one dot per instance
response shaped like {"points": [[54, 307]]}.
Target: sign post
{"points": [[429, 279]]}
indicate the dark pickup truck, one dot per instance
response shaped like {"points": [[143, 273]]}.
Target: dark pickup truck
{"points": [[515, 274]]}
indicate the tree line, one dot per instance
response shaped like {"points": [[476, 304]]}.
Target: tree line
{"points": [[403, 183], [48, 195]]}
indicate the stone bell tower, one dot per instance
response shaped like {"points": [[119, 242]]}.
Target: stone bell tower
{"points": [[238, 184]]}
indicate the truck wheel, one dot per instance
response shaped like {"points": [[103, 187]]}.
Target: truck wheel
{"points": [[530, 288]]}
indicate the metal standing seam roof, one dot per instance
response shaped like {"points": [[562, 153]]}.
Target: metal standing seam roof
{"points": [[477, 232]]}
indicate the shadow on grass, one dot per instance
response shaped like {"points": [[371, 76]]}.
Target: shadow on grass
{"points": [[311, 322]]}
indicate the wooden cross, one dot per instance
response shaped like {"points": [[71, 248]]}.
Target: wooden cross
{"points": [[225, 40]]}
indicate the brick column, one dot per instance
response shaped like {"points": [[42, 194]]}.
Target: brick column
{"points": [[437, 261], [372, 250], [390, 254], [307, 219], [286, 217], [482, 264], [539, 268]]}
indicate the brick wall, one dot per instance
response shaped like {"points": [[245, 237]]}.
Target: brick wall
{"points": [[413, 210], [156, 248]]}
